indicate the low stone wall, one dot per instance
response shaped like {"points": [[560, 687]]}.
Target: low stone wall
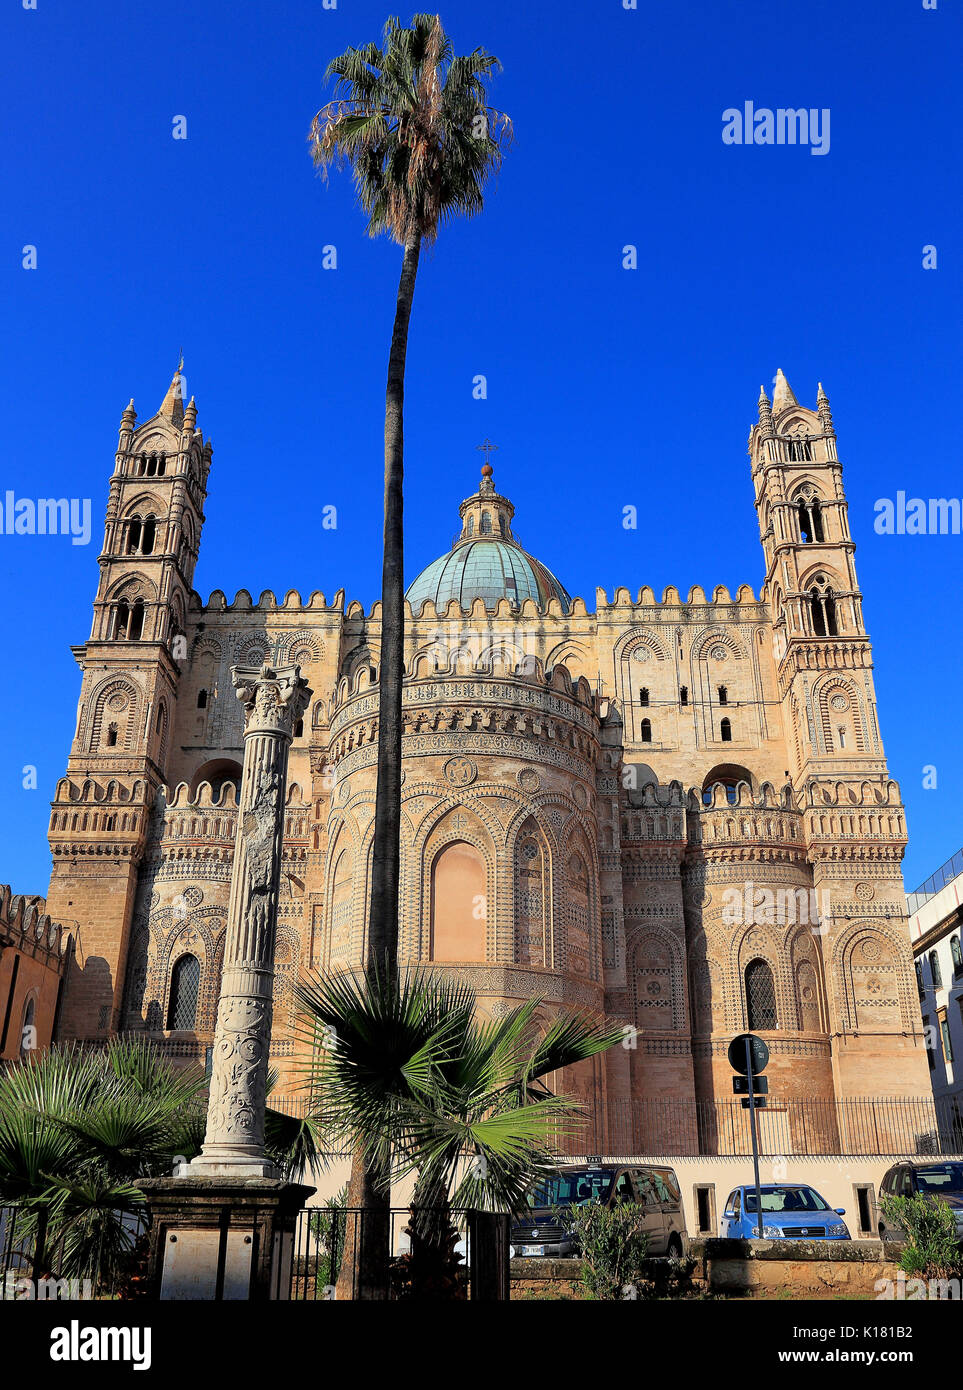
{"points": [[804, 1268], [807, 1268], [550, 1278]]}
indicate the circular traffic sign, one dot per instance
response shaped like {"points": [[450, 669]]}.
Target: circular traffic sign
{"points": [[758, 1051]]}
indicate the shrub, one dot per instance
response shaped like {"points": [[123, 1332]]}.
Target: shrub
{"points": [[613, 1242], [932, 1248]]}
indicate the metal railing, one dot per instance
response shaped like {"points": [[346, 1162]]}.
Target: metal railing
{"points": [[863, 1125], [945, 874], [325, 1263]]}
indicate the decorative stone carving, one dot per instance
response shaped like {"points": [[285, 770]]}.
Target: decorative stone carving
{"points": [[273, 702], [460, 772]]}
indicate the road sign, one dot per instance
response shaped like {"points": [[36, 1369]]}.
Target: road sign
{"points": [[748, 1055], [758, 1051], [760, 1085]]}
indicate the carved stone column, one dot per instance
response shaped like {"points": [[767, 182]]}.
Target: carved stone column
{"points": [[274, 700]]}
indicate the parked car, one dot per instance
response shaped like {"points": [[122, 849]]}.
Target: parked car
{"points": [[933, 1178], [545, 1229], [790, 1211]]}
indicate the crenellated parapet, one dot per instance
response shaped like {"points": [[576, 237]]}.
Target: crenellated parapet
{"points": [[27, 927], [727, 826], [854, 821], [99, 818]]}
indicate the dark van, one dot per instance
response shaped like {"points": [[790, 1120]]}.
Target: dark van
{"points": [[544, 1229]]}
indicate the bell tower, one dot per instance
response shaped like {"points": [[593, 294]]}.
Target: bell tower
{"points": [[131, 669], [853, 818]]}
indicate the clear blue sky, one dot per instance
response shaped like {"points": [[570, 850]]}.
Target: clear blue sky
{"points": [[606, 387]]}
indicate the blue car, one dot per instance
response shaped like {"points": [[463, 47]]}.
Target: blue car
{"points": [[790, 1211]]}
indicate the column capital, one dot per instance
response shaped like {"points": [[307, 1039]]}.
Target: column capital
{"points": [[274, 697]]}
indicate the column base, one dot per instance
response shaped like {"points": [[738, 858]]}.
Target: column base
{"points": [[218, 1238], [228, 1166]]}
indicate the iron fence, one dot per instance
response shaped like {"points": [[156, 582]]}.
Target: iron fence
{"points": [[867, 1126], [327, 1242]]}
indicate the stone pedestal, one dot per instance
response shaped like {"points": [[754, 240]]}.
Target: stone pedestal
{"points": [[222, 1239]]}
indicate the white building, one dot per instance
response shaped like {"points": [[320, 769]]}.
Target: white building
{"points": [[936, 926]]}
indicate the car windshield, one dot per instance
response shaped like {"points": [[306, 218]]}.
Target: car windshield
{"points": [[939, 1177], [573, 1189], [787, 1199]]}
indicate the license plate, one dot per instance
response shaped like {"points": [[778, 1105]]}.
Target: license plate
{"points": [[533, 1249]]}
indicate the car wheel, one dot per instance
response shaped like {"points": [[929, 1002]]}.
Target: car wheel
{"points": [[674, 1250]]}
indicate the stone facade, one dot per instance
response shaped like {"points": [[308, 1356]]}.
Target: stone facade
{"points": [[673, 811], [34, 951]]}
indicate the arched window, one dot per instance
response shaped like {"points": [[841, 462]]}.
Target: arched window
{"points": [[920, 986], [683, 695], [202, 699], [111, 735], [823, 606], [28, 1039], [935, 970], [299, 729], [185, 987], [646, 733], [957, 954], [133, 535], [810, 519], [760, 996], [470, 528], [723, 695], [135, 628], [725, 731], [644, 695], [486, 524], [148, 536], [458, 904], [161, 465], [501, 524], [800, 450]]}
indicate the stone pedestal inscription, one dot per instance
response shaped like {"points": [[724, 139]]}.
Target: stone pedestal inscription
{"points": [[274, 699]]}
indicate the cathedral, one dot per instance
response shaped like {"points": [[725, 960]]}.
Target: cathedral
{"points": [[671, 811]]}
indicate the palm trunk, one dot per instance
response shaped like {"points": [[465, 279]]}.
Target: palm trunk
{"points": [[367, 1249], [364, 1262], [385, 869]]}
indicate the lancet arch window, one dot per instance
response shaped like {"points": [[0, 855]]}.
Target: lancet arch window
{"points": [[152, 465], [760, 996], [809, 513], [185, 991], [822, 604], [127, 621], [141, 535]]}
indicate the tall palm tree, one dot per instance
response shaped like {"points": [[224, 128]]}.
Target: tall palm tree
{"points": [[413, 121], [416, 1084]]}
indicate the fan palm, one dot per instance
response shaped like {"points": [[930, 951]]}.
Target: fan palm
{"points": [[413, 121], [415, 1083], [78, 1129]]}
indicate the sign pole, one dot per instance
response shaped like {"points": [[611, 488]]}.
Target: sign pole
{"points": [[752, 1126]]}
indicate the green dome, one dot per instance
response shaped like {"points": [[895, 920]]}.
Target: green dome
{"points": [[486, 560], [489, 569]]}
